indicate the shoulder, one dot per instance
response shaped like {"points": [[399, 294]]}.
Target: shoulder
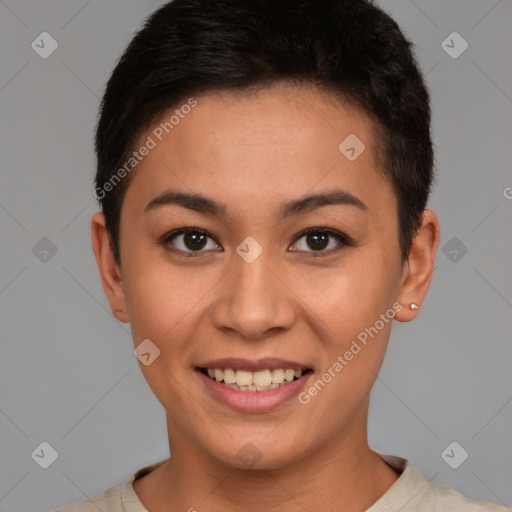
{"points": [[447, 499], [413, 493], [109, 500], [119, 498]]}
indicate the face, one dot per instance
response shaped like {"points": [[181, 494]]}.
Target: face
{"points": [[246, 294]]}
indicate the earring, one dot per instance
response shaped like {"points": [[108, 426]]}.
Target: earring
{"points": [[414, 306]]}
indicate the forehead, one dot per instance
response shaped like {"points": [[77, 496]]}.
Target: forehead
{"points": [[286, 117], [277, 142]]}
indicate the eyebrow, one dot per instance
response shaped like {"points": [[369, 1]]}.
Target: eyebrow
{"points": [[206, 205]]}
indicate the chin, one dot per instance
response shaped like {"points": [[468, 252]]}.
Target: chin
{"points": [[258, 452]]}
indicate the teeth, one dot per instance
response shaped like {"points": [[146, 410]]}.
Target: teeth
{"points": [[289, 375], [229, 376], [277, 376], [262, 380], [243, 378]]}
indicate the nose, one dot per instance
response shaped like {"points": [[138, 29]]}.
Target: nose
{"points": [[254, 300]]}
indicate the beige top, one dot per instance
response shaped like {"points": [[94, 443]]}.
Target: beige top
{"points": [[410, 493]]}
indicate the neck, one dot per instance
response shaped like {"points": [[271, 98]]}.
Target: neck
{"points": [[345, 472]]}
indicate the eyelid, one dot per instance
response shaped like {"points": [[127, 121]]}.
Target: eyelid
{"points": [[344, 240], [164, 240]]}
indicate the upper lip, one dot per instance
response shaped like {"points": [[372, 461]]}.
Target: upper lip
{"points": [[267, 363]]}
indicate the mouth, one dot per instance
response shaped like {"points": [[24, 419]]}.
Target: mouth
{"points": [[252, 386], [255, 381]]}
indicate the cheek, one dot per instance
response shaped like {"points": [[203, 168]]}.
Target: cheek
{"points": [[348, 297], [353, 307], [162, 304], [351, 360], [154, 297]]}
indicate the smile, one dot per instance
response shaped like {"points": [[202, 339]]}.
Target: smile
{"points": [[252, 386], [263, 380]]}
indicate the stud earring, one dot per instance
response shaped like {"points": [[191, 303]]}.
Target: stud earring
{"points": [[414, 306]]}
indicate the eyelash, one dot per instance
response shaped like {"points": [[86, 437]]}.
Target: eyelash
{"points": [[342, 238]]}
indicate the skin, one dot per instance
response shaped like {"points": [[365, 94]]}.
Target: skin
{"points": [[253, 152]]}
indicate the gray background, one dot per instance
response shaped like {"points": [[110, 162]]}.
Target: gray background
{"points": [[68, 374]]}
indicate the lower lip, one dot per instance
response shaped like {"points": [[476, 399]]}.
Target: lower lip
{"points": [[253, 401]]}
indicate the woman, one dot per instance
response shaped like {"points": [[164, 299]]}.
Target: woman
{"points": [[263, 174]]}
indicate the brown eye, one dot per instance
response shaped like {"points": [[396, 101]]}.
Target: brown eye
{"points": [[194, 241], [189, 240], [317, 240]]}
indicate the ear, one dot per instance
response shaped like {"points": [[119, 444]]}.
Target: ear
{"points": [[110, 272], [419, 267]]}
